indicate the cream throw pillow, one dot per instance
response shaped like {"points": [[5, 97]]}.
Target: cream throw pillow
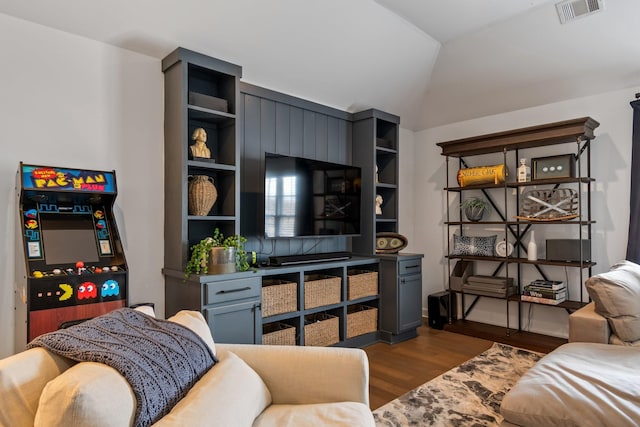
{"points": [[230, 394], [87, 394], [195, 321], [94, 394], [616, 294]]}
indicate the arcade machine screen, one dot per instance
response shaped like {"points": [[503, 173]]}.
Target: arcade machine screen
{"points": [[73, 266], [67, 240]]}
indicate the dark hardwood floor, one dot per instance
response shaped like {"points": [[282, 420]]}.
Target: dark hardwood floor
{"points": [[399, 368]]}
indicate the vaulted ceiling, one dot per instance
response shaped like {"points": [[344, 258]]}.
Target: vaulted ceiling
{"points": [[430, 61]]}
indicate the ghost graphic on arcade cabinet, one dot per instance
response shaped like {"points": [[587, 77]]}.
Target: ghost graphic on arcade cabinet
{"points": [[110, 288], [87, 290]]}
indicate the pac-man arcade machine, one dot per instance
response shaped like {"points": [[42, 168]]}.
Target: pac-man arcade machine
{"points": [[74, 266]]}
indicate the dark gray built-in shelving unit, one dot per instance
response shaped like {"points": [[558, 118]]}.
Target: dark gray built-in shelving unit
{"points": [[258, 121], [375, 144], [376, 137], [185, 73]]}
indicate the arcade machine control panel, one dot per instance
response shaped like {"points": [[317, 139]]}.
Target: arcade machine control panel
{"points": [[73, 267]]}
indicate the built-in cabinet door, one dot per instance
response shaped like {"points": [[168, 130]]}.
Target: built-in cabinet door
{"points": [[410, 312], [235, 323]]}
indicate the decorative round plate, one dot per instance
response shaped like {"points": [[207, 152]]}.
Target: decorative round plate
{"points": [[390, 243], [504, 248]]}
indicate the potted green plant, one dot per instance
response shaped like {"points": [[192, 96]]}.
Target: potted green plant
{"points": [[474, 208], [218, 254]]}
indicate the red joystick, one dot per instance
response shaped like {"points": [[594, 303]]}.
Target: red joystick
{"points": [[80, 266]]}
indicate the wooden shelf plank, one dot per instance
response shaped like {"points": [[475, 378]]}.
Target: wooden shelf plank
{"points": [[520, 222], [567, 305], [585, 264], [523, 339], [548, 181], [534, 136]]}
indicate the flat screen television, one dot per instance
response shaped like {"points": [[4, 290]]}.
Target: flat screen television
{"points": [[310, 198]]}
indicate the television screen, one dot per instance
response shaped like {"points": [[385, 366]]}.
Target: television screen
{"points": [[310, 198]]}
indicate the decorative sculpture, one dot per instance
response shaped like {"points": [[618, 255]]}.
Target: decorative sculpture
{"points": [[378, 204], [200, 149]]}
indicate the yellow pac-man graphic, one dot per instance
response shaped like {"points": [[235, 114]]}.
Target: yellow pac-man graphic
{"points": [[68, 291]]}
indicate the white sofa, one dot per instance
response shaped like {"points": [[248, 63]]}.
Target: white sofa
{"points": [[251, 385], [588, 382]]}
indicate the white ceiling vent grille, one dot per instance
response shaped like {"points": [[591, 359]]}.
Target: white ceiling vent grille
{"points": [[569, 10]]}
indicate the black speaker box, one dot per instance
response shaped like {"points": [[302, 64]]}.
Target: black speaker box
{"points": [[568, 250], [438, 309]]}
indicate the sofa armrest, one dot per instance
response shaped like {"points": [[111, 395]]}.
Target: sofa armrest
{"points": [[300, 375], [585, 325]]}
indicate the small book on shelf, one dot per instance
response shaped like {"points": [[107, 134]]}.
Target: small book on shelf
{"points": [[548, 284], [548, 301], [561, 294]]}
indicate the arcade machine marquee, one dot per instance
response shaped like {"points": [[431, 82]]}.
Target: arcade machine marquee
{"points": [[73, 266]]}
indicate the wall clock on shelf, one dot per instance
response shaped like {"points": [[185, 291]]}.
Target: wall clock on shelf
{"points": [[504, 248]]}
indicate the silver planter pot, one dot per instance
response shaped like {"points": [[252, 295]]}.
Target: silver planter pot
{"points": [[222, 260]]}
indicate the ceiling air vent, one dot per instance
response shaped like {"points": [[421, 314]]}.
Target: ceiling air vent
{"points": [[569, 10]]}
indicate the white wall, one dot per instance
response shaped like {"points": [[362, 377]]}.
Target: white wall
{"points": [[611, 157], [73, 102]]}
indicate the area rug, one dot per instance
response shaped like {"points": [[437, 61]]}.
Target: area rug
{"points": [[466, 396]]}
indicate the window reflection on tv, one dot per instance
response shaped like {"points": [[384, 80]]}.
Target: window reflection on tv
{"points": [[305, 198]]}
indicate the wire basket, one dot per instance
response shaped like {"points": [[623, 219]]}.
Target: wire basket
{"points": [[320, 289], [277, 333], [361, 283], [321, 329], [361, 319], [278, 296]]}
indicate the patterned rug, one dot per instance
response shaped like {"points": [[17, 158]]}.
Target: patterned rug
{"points": [[466, 396]]}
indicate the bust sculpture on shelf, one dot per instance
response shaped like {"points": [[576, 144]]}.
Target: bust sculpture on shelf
{"points": [[200, 149], [378, 204]]}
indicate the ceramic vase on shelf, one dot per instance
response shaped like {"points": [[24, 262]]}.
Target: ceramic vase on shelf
{"points": [[532, 248], [202, 195]]}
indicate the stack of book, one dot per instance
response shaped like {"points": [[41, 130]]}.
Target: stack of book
{"points": [[545, 292]]}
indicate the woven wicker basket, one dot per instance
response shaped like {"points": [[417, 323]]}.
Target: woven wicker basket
{"points": [[321, 329], [320, 289], [202, 195], [361, 319], [278, 334], [278, 296], [361, 283]]}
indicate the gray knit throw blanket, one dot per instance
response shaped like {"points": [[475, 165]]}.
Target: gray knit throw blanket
{"points": [[162, 360]]}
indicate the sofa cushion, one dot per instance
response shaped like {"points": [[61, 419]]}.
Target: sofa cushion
{"points": [[616, 294], [230, 394], [578, 384], [161, 360], [87, 394], [347, 414], [23, 376], [195, 321], [79, 394]]}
